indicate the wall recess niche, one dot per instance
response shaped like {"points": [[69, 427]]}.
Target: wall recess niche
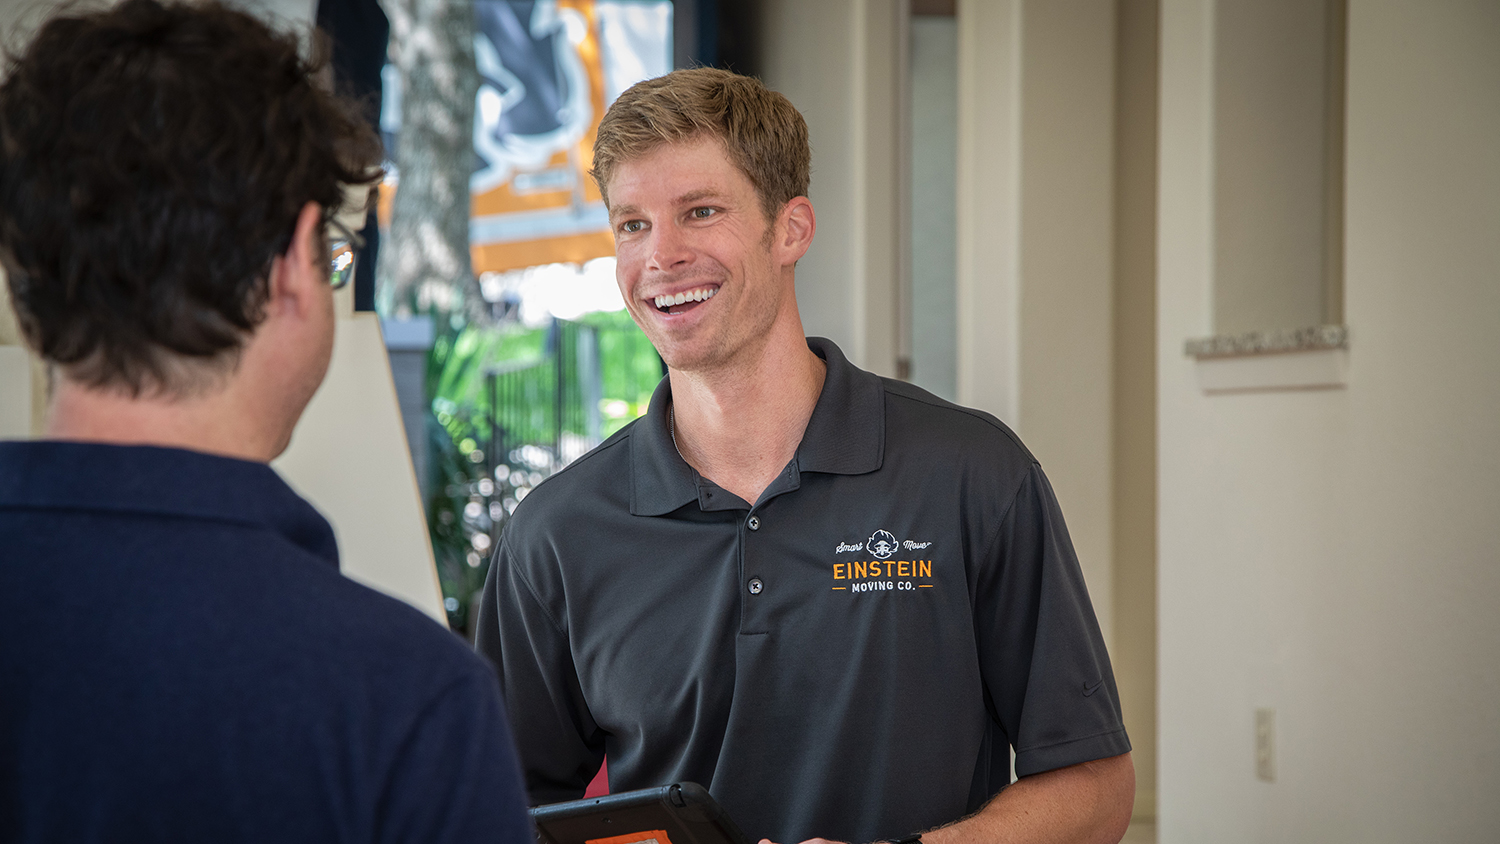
{"points": [[1278, 317]]}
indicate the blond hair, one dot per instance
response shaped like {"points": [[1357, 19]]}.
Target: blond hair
{"points": [[763, 134]]}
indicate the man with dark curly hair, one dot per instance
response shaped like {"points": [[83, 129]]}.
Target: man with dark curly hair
{"points": [[180, 658]]}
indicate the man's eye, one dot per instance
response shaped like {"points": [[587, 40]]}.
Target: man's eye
{"points": [[632, 226], [702, 213]]}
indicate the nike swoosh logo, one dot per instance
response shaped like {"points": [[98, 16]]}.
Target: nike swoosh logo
{"points": [[1090, 688]]}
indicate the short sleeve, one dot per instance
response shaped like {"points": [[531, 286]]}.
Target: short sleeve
{"points": [[455, 777], [1042, 658], [561, 748]]}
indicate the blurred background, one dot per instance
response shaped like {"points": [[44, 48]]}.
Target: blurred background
{"points": [[1230, 267]]}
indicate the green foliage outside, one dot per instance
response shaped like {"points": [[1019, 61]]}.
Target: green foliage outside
{"points": [[476, 482]]}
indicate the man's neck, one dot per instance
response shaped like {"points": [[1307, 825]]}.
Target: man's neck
{"points": [[740, 427], [214, 422]]}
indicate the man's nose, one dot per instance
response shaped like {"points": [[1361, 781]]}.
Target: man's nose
{"points": [[669, 249]]}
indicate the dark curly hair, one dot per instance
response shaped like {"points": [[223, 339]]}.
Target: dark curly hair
{"points": [[153, 161]]}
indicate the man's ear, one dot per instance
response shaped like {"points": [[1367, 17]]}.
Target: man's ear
{"points": [[302, 271], [795, 227]]}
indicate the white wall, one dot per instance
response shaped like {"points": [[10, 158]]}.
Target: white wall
{"points": [[933, 121], [23, 395], [1037, 281], [349, 457], [22, 379], [291, 12], [838, 62], [1332, 554], [1066, 273], [17, 17], [1271, 92], [1035, 267], [1035, 247], [1035, 219], [1133, 649]]}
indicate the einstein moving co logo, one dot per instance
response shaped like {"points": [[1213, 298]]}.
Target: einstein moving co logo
{"points": [[882, 573], [882, 544]]}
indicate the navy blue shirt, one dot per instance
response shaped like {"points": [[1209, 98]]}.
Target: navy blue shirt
{"points": [[180, 660], [853, 656]]}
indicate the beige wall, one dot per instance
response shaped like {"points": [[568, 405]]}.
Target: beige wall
{"points": [[1270, 124], [349, 458], [1083, 288], [1036, 277], [837, 61], [293, 12], [17, 17], [1332, 553], [22, 382], [1067, 270], [1035, 248], [989, 206], [10, 332], [1134, 495]]}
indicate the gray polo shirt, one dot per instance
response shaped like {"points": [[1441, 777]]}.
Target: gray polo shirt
{"points": [[852, 657]]}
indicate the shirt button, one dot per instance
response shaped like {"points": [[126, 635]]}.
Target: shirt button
{"points": [[753, 523], [755, 585]]}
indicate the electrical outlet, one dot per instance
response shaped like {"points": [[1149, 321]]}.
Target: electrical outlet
{"points": [[1265, 743]]}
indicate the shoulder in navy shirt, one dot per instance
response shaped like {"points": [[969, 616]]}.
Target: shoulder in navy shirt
{"points": [[180, 659]]}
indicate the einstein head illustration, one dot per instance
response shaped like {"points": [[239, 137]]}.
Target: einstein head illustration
{"points": [[882, 544]]}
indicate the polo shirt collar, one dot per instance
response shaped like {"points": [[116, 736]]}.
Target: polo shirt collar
{"points": [[661, 481], [160, 482], [845, 436]]}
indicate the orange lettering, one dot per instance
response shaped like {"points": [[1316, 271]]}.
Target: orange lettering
{"points": [[838, 571], [925, 568]]}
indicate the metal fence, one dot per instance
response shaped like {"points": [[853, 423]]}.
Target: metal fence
{"points": [[521, 423]]}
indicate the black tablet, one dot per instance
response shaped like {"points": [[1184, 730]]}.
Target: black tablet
{"points": [[683, 813]]}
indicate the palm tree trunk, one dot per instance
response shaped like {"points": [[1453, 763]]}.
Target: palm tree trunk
{"points": [[424, 264]]}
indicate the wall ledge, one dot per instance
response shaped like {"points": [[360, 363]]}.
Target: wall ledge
{"points": [[1315, 338], [1315, 358], [1315, 369]]}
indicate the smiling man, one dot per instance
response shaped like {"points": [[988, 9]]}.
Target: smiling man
{"points": [[834, 599]]}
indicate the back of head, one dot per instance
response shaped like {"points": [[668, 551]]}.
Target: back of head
{"points": [[762, 132], [153, 160]]}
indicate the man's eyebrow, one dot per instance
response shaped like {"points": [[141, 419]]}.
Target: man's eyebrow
{"points": [[623, 211], [701, 193]]}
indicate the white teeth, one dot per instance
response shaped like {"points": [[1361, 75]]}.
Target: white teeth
{"points": [[702, 294]]}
